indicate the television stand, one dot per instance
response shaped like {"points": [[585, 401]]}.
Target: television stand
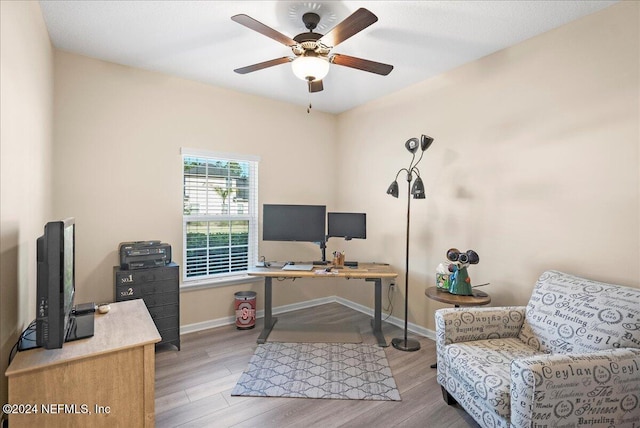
{"points": [[111, 373]]}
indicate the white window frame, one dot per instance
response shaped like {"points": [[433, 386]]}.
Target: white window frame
{"points": [[227, 278]]}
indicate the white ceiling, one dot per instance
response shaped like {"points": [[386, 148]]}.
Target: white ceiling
{"points": [[197, 40]]}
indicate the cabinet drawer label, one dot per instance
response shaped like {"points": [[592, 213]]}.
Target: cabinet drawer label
{"points": [[127, 292]]}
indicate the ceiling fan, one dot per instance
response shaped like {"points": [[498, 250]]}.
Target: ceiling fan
{"points": [[312, 50]]}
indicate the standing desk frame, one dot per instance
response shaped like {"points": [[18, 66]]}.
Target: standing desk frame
{"points": [[369, 272]]}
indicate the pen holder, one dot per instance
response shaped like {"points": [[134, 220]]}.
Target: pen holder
{"points": [[338, 260]]}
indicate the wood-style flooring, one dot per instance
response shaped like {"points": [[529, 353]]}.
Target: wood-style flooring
{"points": [[193, 386]]}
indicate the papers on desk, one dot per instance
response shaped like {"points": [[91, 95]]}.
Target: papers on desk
{"points": [[339, 271], [297, 267], [326, 272]]}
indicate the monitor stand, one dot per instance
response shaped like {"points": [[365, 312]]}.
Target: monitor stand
{"points": [[80, 326], [323, 248]]}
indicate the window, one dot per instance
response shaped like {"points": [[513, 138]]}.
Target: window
{"points": [[219, 216]]}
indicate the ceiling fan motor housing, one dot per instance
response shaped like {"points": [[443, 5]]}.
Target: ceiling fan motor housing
{"points": [[308, 41]]}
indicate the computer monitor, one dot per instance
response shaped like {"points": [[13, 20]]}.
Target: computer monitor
{"points": [[304, 223], [347, 225]]}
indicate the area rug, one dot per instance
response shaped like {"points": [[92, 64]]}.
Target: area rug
{"points": [[346, 371]]}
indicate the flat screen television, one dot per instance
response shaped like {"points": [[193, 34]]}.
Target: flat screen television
{"points": [[347, 225], [55, 283], [304, 223]]}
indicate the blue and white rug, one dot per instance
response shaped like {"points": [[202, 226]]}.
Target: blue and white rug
{"points": [[348, 371]]}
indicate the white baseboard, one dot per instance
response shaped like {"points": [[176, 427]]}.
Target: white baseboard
{"points": [[414, 328]]}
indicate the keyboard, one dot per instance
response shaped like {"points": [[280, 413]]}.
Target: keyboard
{"points": [[297, 267]]}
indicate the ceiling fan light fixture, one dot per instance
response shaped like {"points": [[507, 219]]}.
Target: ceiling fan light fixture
{"points": [[310, 68]]}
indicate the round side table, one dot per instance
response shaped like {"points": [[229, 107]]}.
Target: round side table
{"points": [[478, 298]]}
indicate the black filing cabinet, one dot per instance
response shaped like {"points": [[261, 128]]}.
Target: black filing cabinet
{"points": [[159, 288]]}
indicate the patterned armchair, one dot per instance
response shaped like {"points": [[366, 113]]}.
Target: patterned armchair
{"points": [[570, 358]]}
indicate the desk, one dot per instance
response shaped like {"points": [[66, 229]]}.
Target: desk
{"points": [[369, 272], [111, 373]]}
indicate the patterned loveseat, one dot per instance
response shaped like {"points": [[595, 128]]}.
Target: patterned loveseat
{"points": [[570, 358]]}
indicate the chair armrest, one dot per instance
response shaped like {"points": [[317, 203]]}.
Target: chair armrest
{"points": [[455, 325], [598, 388]]}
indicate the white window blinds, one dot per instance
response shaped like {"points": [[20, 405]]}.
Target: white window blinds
{"points": [[220, 214]]}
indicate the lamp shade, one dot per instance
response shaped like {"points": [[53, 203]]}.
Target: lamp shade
{"points": [[412, 145], [425, 142], [310, 68], [417, 190], [393, 189]]}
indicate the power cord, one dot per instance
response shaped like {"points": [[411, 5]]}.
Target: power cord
{"points": [[26, 341], [389, 307], [262, 262]]}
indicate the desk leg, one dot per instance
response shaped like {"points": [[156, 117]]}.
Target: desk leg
{"points": [[376, 322], [269, 320]]}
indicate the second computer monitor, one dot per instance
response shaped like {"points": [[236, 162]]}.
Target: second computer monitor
{"points": [[347, 225]]}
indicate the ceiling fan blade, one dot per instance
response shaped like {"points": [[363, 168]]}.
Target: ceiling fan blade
{"points": [[316, 86], [362, 64], [261, 65], [354, 23], [258, 26]]}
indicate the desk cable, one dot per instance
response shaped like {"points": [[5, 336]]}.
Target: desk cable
{"points": [[389, 307], [25, 336]]}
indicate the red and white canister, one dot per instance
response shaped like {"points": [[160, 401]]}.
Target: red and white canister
{"points": [[245, 305]]}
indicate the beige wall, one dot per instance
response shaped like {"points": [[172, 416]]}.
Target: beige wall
{"points": [[118, 167], [534, 164], [26, 79]]}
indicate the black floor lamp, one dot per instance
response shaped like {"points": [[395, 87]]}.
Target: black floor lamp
{"points": [[417, 190]]}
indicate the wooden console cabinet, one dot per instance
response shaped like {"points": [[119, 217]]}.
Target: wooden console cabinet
{"points": [[106, 380]]}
